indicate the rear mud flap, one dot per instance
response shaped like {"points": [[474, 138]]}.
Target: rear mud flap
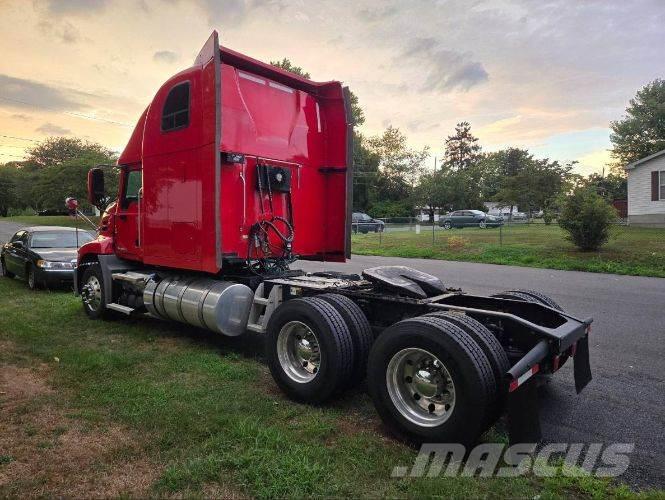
{"points": [[524, 414], [582, 367]]}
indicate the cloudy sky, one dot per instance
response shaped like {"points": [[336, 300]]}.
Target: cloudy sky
{"points": [[548, 75]]}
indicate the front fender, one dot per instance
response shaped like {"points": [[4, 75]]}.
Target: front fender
{"points": [[90, 252], [103, 245]]}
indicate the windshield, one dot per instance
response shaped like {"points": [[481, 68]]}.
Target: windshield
{"points": [[59, 239]]}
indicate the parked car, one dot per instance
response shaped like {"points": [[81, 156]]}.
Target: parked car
{"points": [[43, 255], [363, 223], [520, 216], [52, 211], [469, 218]]}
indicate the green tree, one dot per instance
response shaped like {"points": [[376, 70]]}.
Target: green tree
{"points": [[287, 65], [641, 132], [365, 174], [610, 187], [55, 151], [511, 165], [400, 165], [461, 150], [7, 191], [587, 218]]}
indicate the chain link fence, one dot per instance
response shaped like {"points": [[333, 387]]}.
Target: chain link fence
{"points": [[412, 230]]}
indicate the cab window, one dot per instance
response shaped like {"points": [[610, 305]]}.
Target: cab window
{"points": [[175, 114], [132, 185]]}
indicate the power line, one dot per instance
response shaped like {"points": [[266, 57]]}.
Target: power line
{"points": [[12, 146], [70, 113], [18, 138], [15, 156]]}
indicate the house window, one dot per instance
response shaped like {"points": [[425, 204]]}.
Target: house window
{"points": [[175, 114], [662, 185]]}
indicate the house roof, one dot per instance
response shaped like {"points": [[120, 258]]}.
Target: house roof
{"points": [[637, 163]]}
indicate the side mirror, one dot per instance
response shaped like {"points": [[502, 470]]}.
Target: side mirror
{"points": [[18, 244], [96, 191]]}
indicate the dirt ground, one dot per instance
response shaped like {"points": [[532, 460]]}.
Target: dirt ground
{"points": [[45, 452]]}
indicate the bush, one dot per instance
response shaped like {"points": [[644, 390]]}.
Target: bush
{"points": [[548, 217], [587, 219]]}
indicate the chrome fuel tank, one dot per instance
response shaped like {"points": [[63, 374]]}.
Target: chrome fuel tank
{"points": [[220, 306]]}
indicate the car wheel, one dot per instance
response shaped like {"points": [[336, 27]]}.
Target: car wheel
{"points": [[3, 269], [447, 225], [431, 382], [482, 224], [92, 293], [33, 284], [309, 349]]}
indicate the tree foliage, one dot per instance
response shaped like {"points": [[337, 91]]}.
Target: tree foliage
{"points": [[587, 218], [400, 166], [641, 132], [56, 151], [611, 187], [56, 169], [461, 150]]}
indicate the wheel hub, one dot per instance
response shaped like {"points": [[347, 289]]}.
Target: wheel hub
{"points": [[91, 293], [298, 351], [420, 387]]}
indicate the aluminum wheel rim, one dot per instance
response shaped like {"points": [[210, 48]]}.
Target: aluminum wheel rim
{"points": [[421, 387], [92, 293], [31, 277], [483, 225], [298, 352]]}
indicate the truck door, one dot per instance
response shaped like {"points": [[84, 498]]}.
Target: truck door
{"points": [[127, 221]]}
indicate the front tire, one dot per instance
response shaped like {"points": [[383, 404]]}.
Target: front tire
{"points": [[92, 293], [482, 224], [431, 382], [447, 225], [310, 350], [31, 275]]}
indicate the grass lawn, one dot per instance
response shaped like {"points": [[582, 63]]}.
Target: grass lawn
{"points": [[142, 407], [631, 250]]}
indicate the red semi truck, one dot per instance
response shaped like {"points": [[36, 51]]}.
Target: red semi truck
{"points": [[235, 170]]}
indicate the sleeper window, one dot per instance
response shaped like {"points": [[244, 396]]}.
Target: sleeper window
{"points": [[175, 114]]}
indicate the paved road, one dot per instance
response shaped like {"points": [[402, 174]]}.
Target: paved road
{"points": [[626, 400]]}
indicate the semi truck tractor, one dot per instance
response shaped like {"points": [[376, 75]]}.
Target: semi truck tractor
{"points": [[237, 169]]}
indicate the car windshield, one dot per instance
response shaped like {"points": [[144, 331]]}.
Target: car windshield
{"points": [[59, 239]]}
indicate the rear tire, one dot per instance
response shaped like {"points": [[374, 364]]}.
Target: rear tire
{"points": [[492, 349], [530, 296], [310, 350], [432, 356], [360, 330], [3, 269], [92, 293]]}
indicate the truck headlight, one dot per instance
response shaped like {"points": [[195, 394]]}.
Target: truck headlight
{"points": [[48, 264]]}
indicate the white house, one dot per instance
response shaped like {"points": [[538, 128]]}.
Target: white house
{"points": [[646, 191]]}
